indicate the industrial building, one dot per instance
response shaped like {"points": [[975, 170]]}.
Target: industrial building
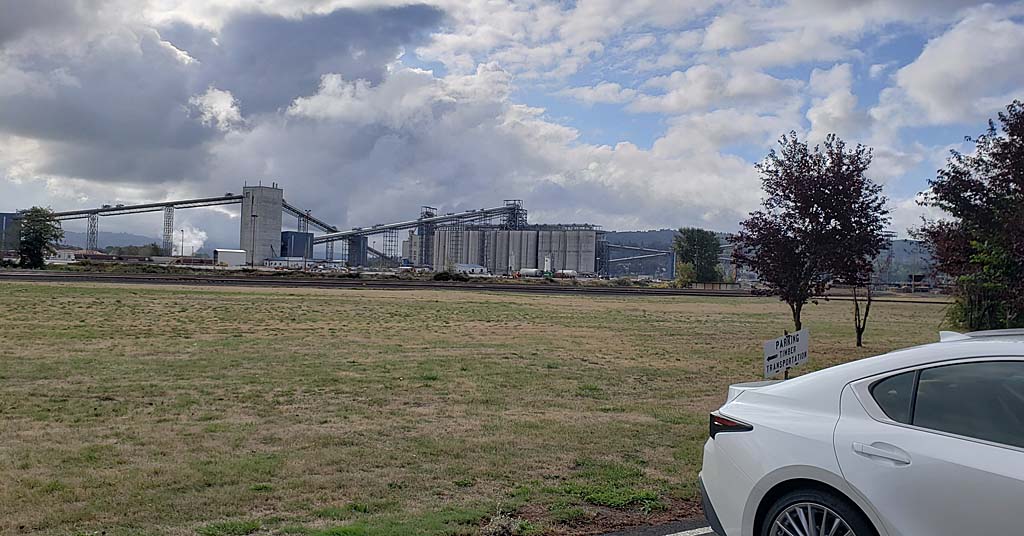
{"points": [[260, 229], [296, 244], [230, 257], [498, 238], [357, 251], [503, 251], [10, 230]]}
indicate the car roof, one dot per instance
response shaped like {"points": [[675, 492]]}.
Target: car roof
{"points": [[1008, 334], [952, 346]]}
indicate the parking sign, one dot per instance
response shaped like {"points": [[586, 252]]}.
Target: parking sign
{"points": [[785, 352]]}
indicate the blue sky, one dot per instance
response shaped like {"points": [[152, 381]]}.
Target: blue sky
{"points": [[628, 114]]}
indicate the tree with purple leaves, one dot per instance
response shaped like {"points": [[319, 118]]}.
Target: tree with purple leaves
{"points": [[981, 244], [821, 222]]}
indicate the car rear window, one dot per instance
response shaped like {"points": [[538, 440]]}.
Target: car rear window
{"points": [[980, 400], [895, 395]]}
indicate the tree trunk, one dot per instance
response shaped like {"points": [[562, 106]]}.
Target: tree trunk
{"points": [[860, 323], [796, 308]]}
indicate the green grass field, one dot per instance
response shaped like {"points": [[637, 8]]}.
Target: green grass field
{"points": [[158, 410]]}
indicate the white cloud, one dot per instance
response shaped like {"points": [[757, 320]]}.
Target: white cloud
{"points": [[962, 75], [551, 41], [704, 86], [878, 69], [708, 133], [639, 42], [686, 41], [793, 48], [908, 214], [728, 31], [458, 140], [217, 108], [843, 18], [837, 78], [834, 109], [604, 92]]}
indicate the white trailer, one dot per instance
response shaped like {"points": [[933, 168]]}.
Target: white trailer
{"points": [[230, 257]]}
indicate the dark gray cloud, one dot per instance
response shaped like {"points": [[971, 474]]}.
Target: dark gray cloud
{"points": [[117, 112], [127, 91], [115, 105], [21, 17], [268, 60]]}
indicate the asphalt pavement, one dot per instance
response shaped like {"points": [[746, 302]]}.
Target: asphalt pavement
{"points": [[678, 528]]}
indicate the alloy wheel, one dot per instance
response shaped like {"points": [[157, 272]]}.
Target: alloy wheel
{"points": [[810, 519]]}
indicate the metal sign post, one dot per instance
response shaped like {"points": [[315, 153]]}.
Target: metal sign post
{"points": [[786, 352]]}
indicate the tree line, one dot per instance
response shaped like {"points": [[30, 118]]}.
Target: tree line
{"points": [[822, 221]]}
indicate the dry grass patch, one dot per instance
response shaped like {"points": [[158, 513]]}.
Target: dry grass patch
{"points": [[164, 410]]}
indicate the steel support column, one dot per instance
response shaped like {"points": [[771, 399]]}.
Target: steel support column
{"points": [[92, 233], [168, 237]]}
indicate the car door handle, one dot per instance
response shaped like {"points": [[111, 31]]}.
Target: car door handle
{"points": [[882, 451]]}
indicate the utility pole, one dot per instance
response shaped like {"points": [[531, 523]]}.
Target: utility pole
{"points": [[181, 252]]}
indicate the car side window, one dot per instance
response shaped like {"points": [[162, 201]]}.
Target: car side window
{"points": [[895, 395], [983, 400]]}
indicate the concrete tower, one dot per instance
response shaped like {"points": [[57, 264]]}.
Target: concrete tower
{"points": [[260, 229]]}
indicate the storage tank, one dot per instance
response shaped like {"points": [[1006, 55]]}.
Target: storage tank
{"points": [[501, 251], [588, 252], [440, 250], [490, 253], [515, 250], [531, 272], [474, 247], [543, 244], [531, 249], [572, 251]]}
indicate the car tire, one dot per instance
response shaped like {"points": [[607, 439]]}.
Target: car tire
{"points": [[836, 505]]}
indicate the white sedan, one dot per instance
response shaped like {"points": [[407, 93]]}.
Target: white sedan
{"points": [[927, 441]]}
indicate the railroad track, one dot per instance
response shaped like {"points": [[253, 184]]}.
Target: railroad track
{"points": [[381, 284]]}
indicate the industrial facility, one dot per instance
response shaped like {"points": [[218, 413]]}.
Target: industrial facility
{"points": [[550, 248], [499, 239], [9, 231]]}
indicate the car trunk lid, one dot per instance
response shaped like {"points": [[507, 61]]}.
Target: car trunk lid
{"points": [[737, 389]]}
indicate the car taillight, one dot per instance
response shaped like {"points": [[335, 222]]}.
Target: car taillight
{"points": [[720, 423]]}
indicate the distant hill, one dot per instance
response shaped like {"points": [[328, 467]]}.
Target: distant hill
{"points": [[908, 257], [104, 239], [658, 239]]}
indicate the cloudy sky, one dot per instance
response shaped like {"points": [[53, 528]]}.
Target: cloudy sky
{"points": [[630, 114]]}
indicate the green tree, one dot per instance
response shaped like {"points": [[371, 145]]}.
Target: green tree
{"points": [[40, 232], [148, 250], [700, 249], [981, 243], [685, 274]]}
